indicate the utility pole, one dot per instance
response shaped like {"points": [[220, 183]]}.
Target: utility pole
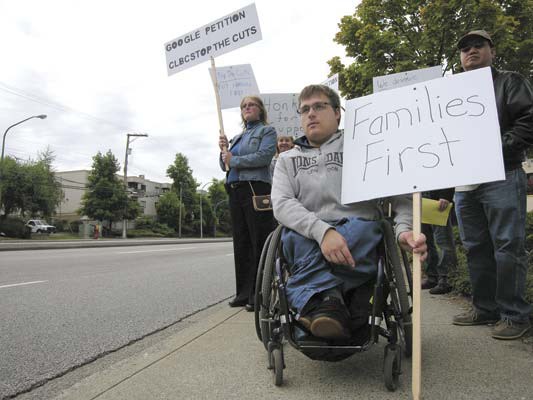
{"points": [[125, 221]]}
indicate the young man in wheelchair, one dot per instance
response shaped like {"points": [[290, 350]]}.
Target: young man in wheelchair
{"points": [[330, 247]]}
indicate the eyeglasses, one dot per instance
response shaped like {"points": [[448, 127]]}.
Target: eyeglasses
{"points": [[246, 105], [317, 107], [478, 44]]}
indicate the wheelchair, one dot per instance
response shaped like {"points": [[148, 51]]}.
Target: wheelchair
{"points": [[391, 301]]}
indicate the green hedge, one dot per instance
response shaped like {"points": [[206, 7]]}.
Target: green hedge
{"points": [[459, 277]]}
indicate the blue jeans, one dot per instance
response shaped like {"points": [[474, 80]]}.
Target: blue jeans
{"points": [[492, 221], [312, 274], [438, 266]]}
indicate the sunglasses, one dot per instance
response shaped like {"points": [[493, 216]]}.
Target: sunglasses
{"points": [[478, 44]]}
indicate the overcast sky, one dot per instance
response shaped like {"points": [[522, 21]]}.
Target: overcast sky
{"points": [[97, 69]]}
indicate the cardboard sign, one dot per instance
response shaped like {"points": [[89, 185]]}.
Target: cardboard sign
{"points": [[385, 82], [234, 83], [332, 82], [281, 111], [221, 36], [436, 134]]}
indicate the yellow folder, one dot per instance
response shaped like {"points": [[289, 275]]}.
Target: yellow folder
{"points": [[432, 215]]}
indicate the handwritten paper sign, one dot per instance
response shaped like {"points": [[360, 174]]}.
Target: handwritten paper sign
{"points": [[234, 83], [436, 134], [221, 36], [400, 79], [332, 82], [281, 111]]}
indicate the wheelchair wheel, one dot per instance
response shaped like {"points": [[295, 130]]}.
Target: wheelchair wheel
{"points": [[277, 361], [258, 283], [398, 293], [392, 367], [269, 295]]}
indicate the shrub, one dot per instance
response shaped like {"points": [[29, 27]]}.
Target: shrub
{"points": [[14, 227]]}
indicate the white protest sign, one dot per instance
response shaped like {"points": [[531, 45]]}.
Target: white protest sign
{"points": [[400, 79], [234, 83], [332, 82], [432, 135], [281, 111], [221, 36]]}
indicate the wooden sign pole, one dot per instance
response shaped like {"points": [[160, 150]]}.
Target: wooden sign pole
{"points": [[417, 282], [217, 96]]}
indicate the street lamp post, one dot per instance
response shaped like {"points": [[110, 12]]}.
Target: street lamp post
{"points": [[215, 215], [201, 215], [125, 221], [42, 116]]}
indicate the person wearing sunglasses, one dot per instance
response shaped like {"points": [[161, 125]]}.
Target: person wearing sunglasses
{"points": [[331, 247], [248, 159], [492, 216]]}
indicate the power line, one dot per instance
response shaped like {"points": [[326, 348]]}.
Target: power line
{"points": [[58, 106]]}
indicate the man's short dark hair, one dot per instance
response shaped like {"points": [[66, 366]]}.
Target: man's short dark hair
{"points": [[311, 90]]}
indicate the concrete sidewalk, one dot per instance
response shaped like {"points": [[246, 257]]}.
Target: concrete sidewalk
{"points": [[220, 357]]}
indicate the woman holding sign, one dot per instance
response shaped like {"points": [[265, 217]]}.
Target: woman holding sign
{"points": [[248, 158]]}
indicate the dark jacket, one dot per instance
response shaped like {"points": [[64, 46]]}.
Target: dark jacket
{"points": [[514, 101]]}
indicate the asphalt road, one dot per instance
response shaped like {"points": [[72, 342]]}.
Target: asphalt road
{"points": [[63, 308]]}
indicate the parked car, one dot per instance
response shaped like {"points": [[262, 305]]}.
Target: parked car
{"points": [[40, 226]]}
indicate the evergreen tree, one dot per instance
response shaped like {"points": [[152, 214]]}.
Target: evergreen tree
{"points": [[105, 198], [181, 175]]}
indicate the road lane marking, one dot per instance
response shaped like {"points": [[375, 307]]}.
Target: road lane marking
{"points": [[230, 254], [150, 251], [21, 284]]}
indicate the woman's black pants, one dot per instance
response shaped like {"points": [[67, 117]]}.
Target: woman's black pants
{"points": [[250, 230]]}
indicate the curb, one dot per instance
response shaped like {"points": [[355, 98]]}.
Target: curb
{"points": [[48, 245]]}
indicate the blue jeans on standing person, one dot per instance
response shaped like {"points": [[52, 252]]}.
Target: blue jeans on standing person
{"points": [[492, 221]]}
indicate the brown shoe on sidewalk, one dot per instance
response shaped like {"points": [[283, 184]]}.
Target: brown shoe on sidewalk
{"points": [[474, 317], [505, 329]]}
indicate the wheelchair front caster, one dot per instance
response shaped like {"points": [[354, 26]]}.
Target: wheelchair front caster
{"points": [[278, 364], [392, 367]]}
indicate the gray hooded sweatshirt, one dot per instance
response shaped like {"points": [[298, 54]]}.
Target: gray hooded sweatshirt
{"points": [[306, 191]]}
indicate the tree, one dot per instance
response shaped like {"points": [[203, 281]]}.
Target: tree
{"points": [[168, 209], [219, 199], [181, 175], [392, 36], [105, 198], [30, 187], [46, 193]]}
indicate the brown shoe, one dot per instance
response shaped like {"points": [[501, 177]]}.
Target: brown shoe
{"points": [[505, 329], [327, 319], [474, 317]]}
